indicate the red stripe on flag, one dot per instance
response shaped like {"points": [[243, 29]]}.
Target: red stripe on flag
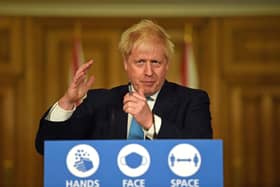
{"points": [[184, 66], [77, 55], [188, 67]]}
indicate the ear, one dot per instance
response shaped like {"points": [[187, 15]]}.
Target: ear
{"points": [[125, 64], [167, 66]]}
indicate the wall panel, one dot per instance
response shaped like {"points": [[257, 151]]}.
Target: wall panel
{"points": [[11, 38], [238, 64], [251, 46], [11, 71], [249, 69], [7, 138]]}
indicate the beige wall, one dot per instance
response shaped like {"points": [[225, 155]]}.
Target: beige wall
{"points": [[239, 65]]}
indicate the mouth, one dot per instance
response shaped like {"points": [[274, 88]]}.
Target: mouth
{"points": [[148, 83]]}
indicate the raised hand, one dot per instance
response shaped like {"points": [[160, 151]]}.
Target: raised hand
{"points": [[78, 87], [135, 103]]}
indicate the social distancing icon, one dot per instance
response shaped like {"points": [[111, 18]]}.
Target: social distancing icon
{"points": [[184, 160]]}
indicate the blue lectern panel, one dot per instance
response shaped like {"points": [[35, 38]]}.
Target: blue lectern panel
{"points": [[128, 163]]}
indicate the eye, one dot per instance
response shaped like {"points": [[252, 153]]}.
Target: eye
{"points": [[155, 63], [140, 62]]}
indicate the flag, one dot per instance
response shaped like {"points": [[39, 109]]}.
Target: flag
{"points": [[77, 60], [189, 75], [77, 55]]}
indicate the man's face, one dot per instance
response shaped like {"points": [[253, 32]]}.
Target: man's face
{"points": [[147, 67]]}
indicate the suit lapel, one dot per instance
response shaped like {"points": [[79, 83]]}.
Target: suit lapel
{"points": [[166, 101], [118, 121]]}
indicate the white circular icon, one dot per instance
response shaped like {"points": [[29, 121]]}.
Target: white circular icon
{"points": [[82, 160], [133, 160], [184, 160]]}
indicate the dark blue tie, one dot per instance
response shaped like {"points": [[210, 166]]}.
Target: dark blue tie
{"points": [[135, 131]]}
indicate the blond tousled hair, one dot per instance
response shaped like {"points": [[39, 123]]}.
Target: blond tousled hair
{"points": [[145, 30]]}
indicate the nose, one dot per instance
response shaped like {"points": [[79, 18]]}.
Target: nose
{"points": [[148, 69]]}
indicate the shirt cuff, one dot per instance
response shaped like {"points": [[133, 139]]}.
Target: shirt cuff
{"points": [[150, 132], [58, 114]]}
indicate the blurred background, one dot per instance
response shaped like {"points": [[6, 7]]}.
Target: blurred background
{"points": [[236, 45]]}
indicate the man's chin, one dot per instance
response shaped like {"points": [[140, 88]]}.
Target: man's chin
{"points": [[149, 89], [149, 92]]}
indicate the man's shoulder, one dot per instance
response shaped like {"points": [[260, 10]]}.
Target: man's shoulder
{"points": [[177, 87], [108, 91], [181, 90], [105, 95], [119, 88]]}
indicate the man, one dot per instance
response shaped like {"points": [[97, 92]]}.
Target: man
{"points": [[148, 107]]}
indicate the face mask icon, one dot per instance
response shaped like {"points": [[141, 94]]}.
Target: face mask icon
{"points": [[133, 160]]}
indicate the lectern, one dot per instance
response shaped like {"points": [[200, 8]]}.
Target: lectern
{"points": [[133, 163]]}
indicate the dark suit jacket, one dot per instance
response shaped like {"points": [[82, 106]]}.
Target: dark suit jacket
{"points": [[184, 112]]}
